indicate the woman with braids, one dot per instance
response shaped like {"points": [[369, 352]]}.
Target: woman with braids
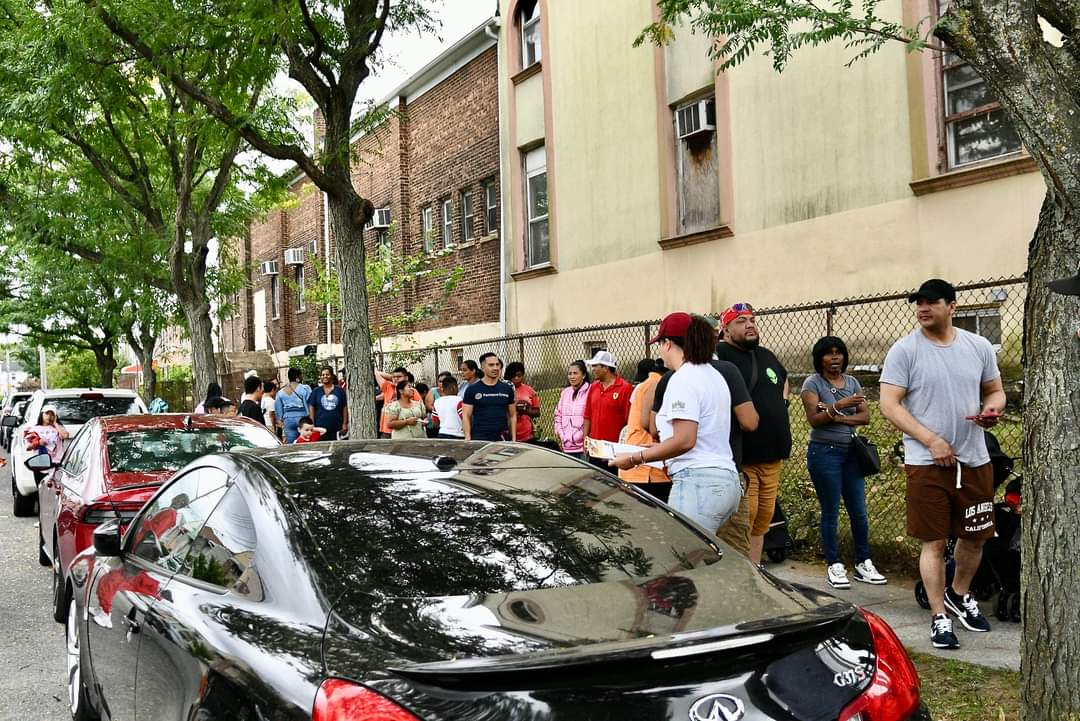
{"points": [[694, 423]]}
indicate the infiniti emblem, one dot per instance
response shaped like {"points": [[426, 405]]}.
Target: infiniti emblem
{"points": [[717, 707]]}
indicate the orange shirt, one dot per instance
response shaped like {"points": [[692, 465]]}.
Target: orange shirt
{"points": [[638, 435], [389, 393]]}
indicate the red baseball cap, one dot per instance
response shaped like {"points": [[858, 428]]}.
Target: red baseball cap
{"points": [[734, 311], [673, 325]]}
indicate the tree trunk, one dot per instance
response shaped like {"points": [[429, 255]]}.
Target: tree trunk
{"points": [[1051, 540], [149, 375], [347, 217], [106, 365], [203, 362]]}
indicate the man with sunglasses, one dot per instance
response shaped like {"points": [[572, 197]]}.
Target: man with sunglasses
{"points": [[765, 449]]}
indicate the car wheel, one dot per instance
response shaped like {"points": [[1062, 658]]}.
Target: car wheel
{"points": [[78, 700], [22, 506], [42, 557], [776, 555], [61, 592]]}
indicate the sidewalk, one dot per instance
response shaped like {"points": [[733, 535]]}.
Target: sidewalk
{"points": [[895, 602]]}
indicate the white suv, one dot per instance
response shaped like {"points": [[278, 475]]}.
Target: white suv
{"points": [[75, 406]]}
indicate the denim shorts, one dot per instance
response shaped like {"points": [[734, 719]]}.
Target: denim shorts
{"points": [[708, 496]]}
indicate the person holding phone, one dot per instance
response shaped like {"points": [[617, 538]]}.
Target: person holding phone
{"points": [[834, 405], [526, 401], [933, 379]]}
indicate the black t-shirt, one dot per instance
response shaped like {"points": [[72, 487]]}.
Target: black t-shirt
{"points": [[251, 409], [489, 421], [739, 395], [772, 439]]}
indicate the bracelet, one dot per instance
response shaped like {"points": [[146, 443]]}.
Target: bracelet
{"points": [[641, 457]]}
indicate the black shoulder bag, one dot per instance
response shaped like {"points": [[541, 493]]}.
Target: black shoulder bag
{"points": [[866, 454]]}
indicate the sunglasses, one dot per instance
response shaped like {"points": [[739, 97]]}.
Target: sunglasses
{"points": [[742, 308]]}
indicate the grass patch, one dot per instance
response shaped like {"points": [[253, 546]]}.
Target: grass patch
{"points": [[958, 691]]}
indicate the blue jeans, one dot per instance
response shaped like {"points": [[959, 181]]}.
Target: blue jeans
{"points": [[708, 496], [835, 474]]}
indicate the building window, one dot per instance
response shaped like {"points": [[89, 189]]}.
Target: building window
{"points": [[592, 347], [301, 303], [275, 298], [529, 21], [491, 207], [976, 128], [447, 223], [984, 321], [468, 217], [382, 237], [536, 204], [697, 165], [427, 228], [456, 356]]}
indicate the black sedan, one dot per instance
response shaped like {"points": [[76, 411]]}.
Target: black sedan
{"points": [[445, 580]]}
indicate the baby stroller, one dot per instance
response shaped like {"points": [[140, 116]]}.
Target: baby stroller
{"points": [[999, 571], [777, 539]]}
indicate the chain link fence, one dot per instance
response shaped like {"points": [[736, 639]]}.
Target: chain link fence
{"points": [[869, 326]]}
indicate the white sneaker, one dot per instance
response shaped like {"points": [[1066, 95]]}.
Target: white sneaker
{"points": [[866, 573], [837, 576]]}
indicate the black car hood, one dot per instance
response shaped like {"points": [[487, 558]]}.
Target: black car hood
{"points": [[727, 603]]}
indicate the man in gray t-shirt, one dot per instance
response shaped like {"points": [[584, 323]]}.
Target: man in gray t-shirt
{"points": [[941, 387]]}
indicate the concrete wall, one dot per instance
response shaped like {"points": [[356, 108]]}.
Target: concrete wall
{"points": [[820, 158]]}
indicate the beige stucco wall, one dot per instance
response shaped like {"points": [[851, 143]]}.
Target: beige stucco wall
{"points": [[529, 101], [686, 66], [822, 159], [970, 233]]}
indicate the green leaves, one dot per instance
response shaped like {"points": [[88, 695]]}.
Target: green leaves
{"points": [[779, 28]]}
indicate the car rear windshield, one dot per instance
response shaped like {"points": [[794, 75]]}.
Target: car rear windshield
{"points": [[171, 449], [429, 534], [81, 410]]}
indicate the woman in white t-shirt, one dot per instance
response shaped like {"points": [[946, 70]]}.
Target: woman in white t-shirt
{"points": [[694, 423]]}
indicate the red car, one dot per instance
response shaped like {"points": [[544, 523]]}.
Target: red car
{"points": [[113, 466]]}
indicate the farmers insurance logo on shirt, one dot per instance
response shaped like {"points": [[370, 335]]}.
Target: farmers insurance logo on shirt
{"points": [[330, 402], [491, 394]]}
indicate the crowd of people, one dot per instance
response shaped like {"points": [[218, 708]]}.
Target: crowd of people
{"points": [[708, 424]]}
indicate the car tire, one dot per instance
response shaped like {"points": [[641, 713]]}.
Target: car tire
{"points": [[42, 557], [61, 591], [78, 699], [22, 506]]}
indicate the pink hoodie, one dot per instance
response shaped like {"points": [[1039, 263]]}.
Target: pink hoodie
{"points": [[570, 418]]}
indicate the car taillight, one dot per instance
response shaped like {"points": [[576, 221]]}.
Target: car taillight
{"points": [[97, 513], [341, 700], [893, 693]]}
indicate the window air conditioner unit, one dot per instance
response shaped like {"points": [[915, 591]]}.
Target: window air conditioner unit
{"points": [[269, 267], [697, 118], [294, 256], [381, 219]]}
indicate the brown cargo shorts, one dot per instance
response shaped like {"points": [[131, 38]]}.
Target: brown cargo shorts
{"points": [[937, 509]]}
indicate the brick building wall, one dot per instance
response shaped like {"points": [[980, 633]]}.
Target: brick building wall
{"points": [[440, 144]]}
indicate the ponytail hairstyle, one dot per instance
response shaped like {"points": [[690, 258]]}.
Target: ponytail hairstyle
{"points": [[697, 345]]}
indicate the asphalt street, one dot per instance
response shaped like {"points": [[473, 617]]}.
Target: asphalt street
{"points": [[32, 670]]}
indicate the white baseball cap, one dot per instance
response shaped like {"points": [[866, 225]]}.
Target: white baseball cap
{"points": [[603, 358], [49, 409]]}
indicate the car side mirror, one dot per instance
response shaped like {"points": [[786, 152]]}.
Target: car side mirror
{"points": [[9, 421], [40, 462], [107, 539]]}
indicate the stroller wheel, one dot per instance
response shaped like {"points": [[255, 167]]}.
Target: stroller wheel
{"points": [[1014, 607], [920, 595], [776, 555], [1001, 606]]}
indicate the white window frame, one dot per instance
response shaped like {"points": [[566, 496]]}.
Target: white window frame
{"points": [[448, 222], [301, 302], [491, 208], [527, 25], [535, 163], [427, 229], [468, 216]]}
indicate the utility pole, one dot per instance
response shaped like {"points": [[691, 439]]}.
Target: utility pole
{"points": [[41, 362]]}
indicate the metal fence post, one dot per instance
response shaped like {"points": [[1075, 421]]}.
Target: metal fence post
{"points": [[521, 348], [645, 329]]}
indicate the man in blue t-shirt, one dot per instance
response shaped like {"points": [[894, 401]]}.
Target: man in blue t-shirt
{"points": [[328, 406], [488, 410]]}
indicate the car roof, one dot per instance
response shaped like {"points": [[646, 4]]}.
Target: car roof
{"points": [[408, 456], [161, 421], [77, 392]]}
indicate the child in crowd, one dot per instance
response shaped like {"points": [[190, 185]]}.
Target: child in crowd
{"points": [[446, 412], [309, 432]]}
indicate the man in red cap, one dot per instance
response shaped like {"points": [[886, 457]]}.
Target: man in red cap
{"points": [[607, 407], [765, 449]]}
